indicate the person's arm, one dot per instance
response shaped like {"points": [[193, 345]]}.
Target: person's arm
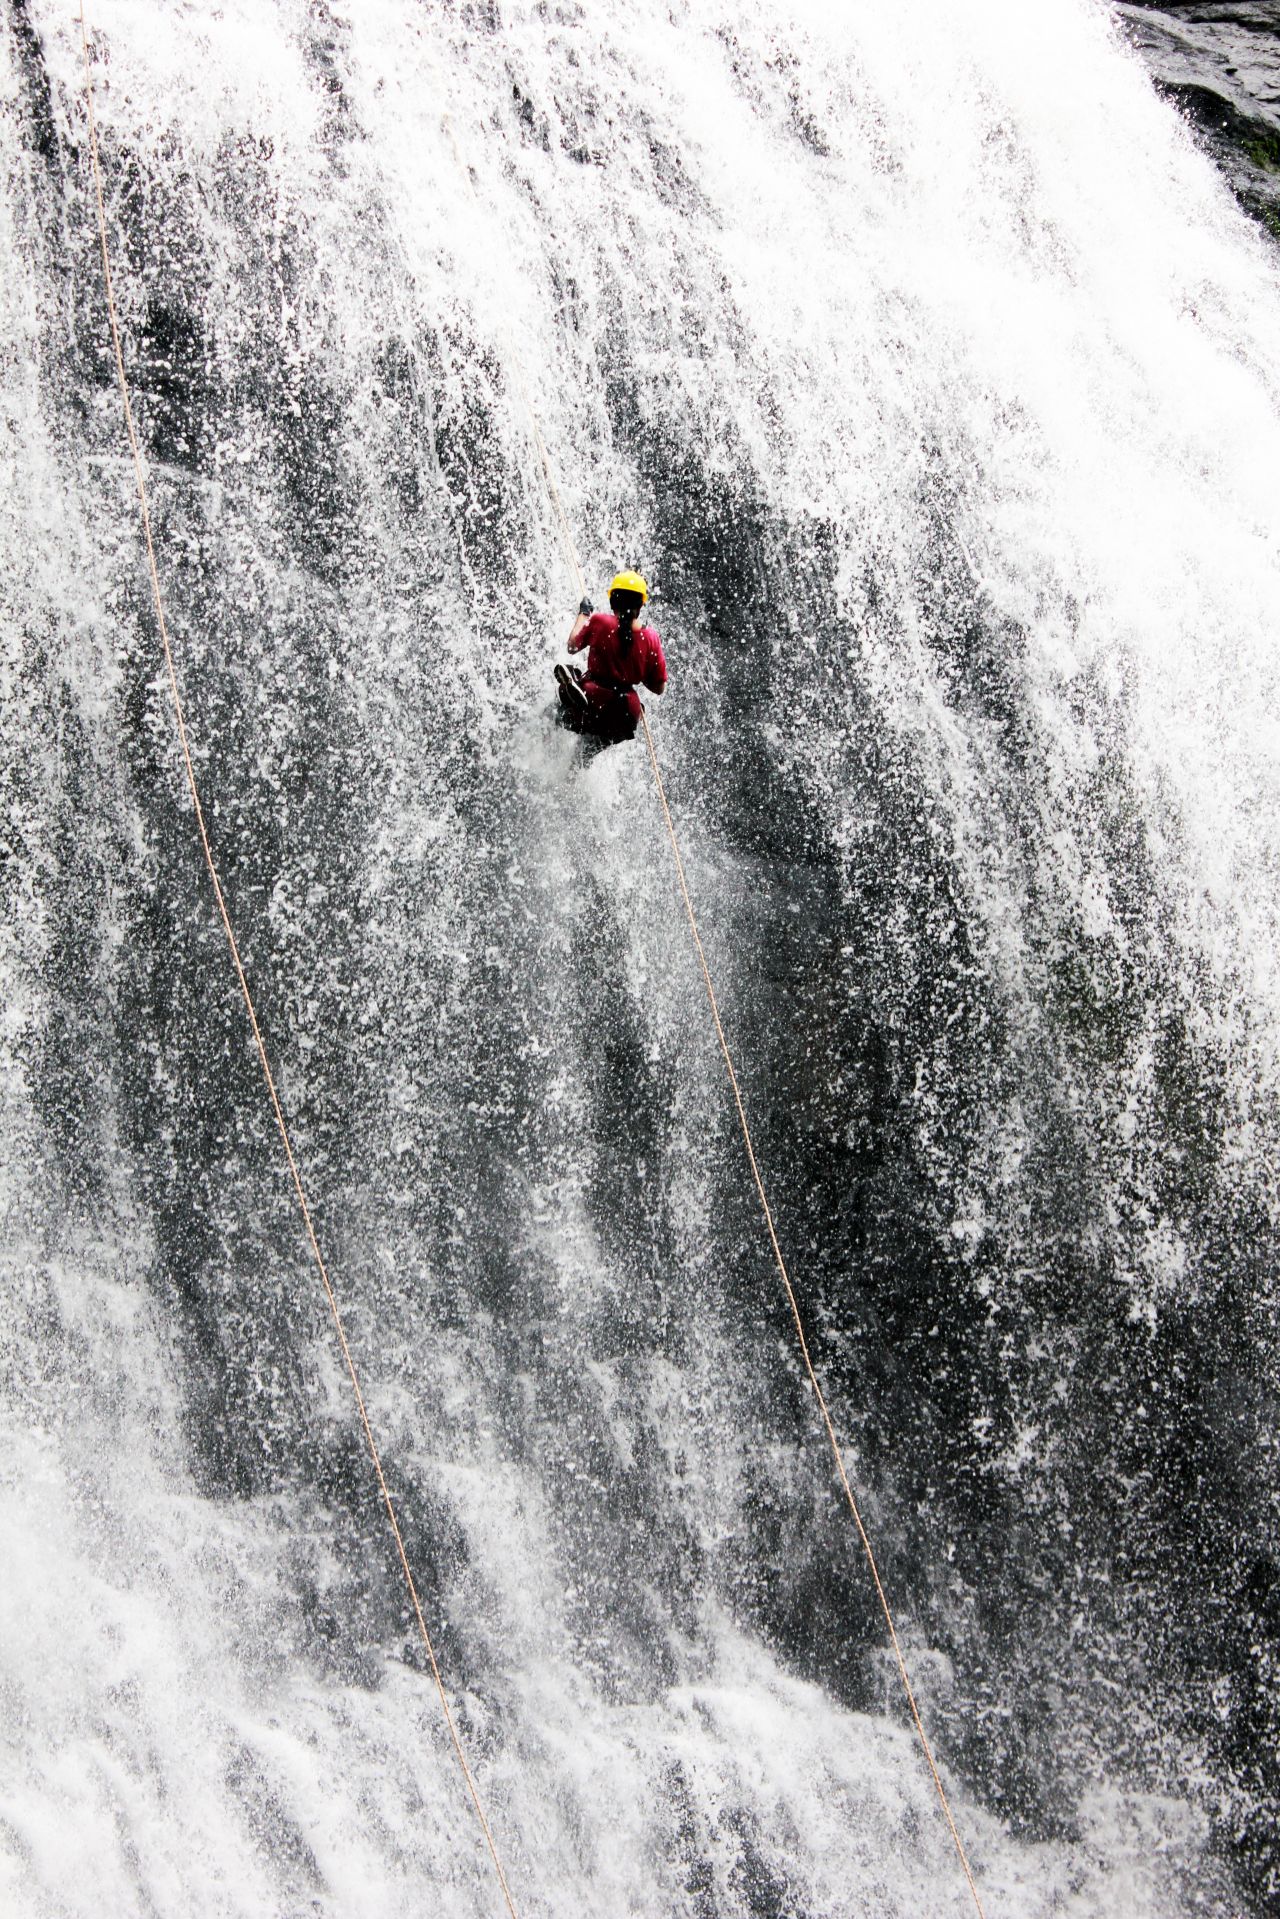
{"points": [[577, 631], [655, 673]]}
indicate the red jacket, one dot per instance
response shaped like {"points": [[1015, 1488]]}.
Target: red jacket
{"points": [[640, 663]]}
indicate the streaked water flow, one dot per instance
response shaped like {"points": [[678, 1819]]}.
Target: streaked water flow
{"points": [[931, 376]]}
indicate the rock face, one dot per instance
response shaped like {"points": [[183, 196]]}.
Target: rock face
{"points": [[1220, 61]]}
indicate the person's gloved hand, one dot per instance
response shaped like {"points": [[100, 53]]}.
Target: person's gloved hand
{"points": [[585, 607]]}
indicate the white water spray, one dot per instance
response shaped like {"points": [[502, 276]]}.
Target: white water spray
{"points": [[968, 349]]}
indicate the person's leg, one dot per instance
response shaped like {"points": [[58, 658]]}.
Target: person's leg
{"points": [[611, 716], [572, 698]]}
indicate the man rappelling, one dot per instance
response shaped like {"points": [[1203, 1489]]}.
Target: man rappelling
{"points": [[603, 701]]}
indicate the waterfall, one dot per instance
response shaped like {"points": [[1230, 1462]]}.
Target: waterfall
{"points": [[929, 373]]}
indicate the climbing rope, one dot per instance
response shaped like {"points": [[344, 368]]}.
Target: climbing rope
{"points": [[548, 470], [793, 1303], [575, 563], [267, 1074]]}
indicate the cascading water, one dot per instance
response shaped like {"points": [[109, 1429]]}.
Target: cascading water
{"points": [[931, 376]]}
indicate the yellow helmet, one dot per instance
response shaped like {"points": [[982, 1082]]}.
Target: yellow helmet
{"points": [[629, 583]]}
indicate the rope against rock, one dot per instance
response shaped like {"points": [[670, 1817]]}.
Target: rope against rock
{"points": [[268, 1076], [793, 1303]]}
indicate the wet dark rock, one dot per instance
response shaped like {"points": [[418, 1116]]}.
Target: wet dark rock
{"points": [[1219, 61]]}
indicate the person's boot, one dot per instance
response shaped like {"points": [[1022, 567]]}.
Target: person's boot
{"points": [[572, 698]]}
